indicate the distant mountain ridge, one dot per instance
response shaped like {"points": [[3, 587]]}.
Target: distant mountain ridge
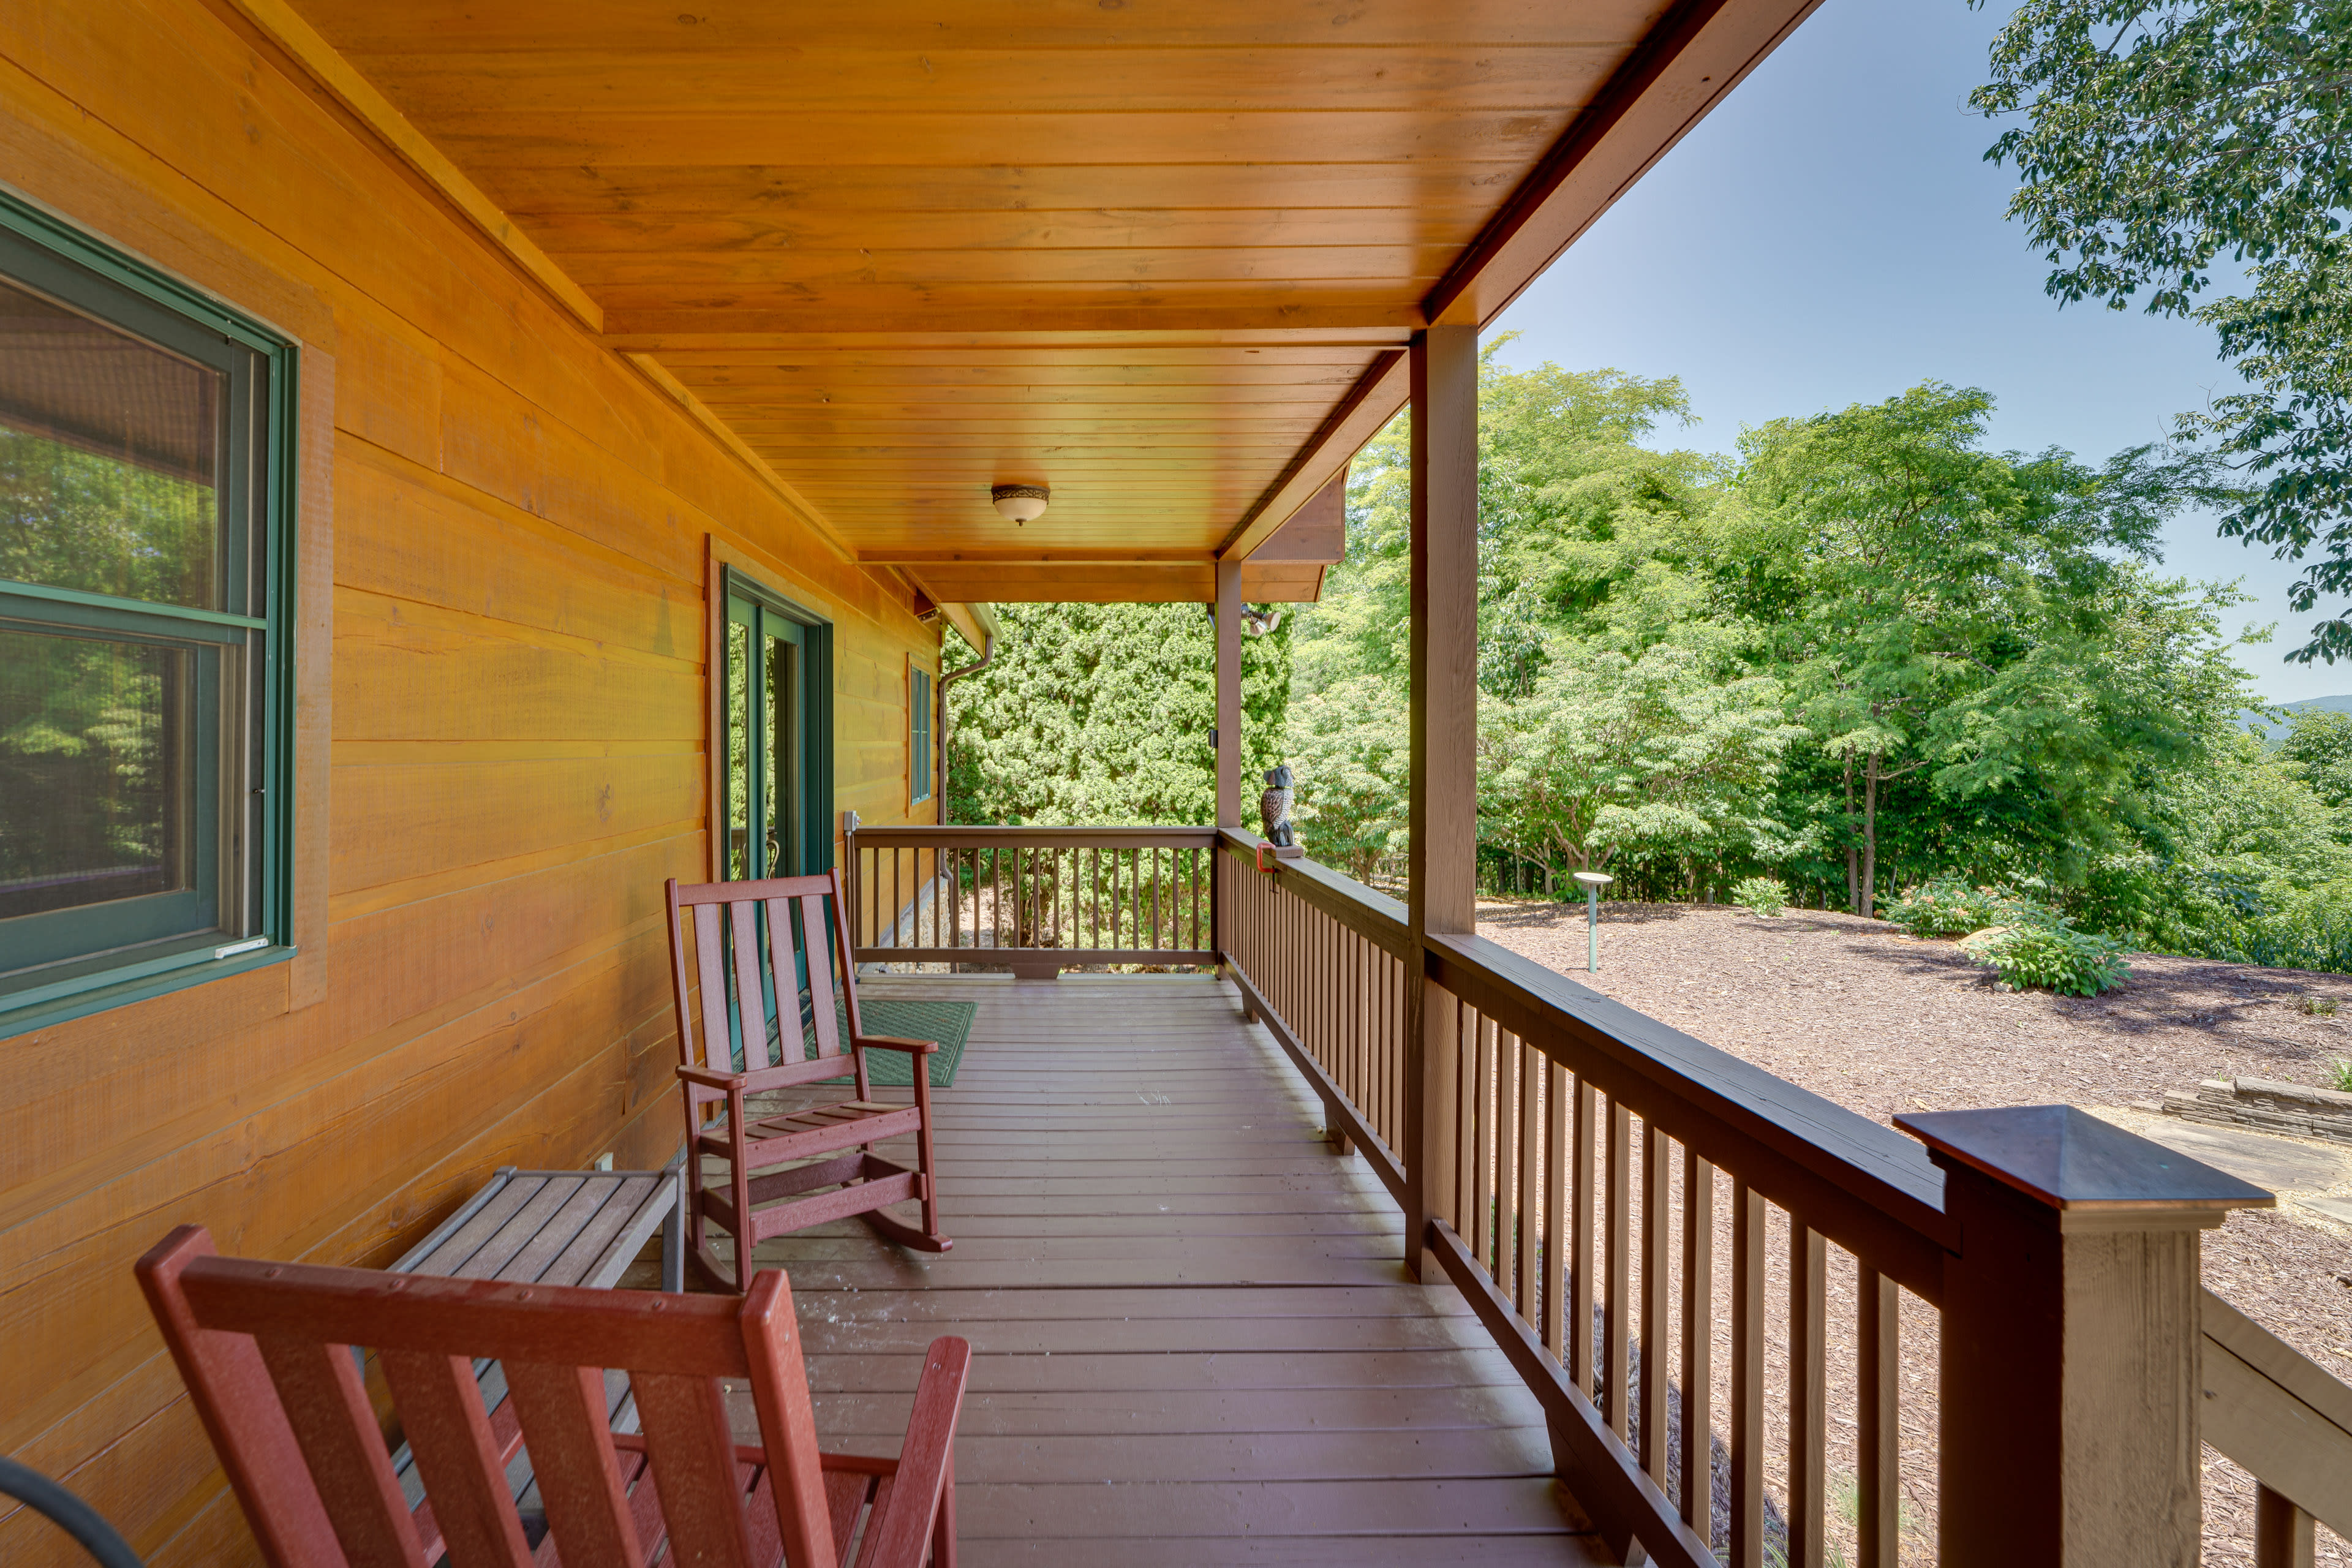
{"points": [[2275, 735]]}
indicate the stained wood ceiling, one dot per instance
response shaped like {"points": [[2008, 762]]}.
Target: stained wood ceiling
{"points": [[1158, 254]]}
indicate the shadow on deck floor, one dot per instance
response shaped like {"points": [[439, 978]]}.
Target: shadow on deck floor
{"points": [[1193, 1339]]}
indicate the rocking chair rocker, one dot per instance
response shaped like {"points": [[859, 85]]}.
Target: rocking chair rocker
{"points": [[786, 953]]}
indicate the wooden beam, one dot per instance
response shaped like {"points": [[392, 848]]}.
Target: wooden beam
{"points": [[1076, 557], [652, 371], [1698, 51], [319, 59], [1370, 404]]}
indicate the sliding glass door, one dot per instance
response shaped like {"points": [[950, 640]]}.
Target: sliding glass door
{"points": [[779, 715]]}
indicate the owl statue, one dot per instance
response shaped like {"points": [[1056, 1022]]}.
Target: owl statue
{"points": [[1273, 808]]}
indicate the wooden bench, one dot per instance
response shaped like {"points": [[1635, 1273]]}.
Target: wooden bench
{"points": [[551, 1228]]}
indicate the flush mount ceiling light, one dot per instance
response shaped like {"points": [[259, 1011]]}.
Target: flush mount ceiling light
{"points": [[1019, 503]]}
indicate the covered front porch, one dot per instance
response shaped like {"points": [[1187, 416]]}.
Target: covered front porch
{"points": [[1194, 1337]]}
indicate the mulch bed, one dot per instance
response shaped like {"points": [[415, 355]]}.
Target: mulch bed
{"points": [[1879, 1022]]}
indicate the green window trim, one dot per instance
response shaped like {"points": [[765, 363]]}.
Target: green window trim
{"points": [[45, 253], [919, 687], [763, 613]]}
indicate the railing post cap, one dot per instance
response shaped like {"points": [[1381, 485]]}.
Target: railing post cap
{"points": [[2080, 1167]]}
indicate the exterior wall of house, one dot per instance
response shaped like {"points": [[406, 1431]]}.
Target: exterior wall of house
{"points": [[504, 532]]}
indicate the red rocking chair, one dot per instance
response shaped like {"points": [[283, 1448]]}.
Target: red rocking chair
{"points": [[265, 1351], [798, 963]]}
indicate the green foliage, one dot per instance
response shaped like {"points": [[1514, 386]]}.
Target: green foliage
{"points": [[2160, 136], [2321, 744], [1944, 906], [1968, 616], [1654, 754], [1099, 715], [1765, 896], [2040, 950], [2318, 1007], [2339, 1075]]}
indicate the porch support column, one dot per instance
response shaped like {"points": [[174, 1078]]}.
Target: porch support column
{"points": [[2071, 1339], [1229, 748], [1229, 694], [1443, 736]]}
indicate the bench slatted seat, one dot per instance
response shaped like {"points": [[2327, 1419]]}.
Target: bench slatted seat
{"points": [[550, 1227]]}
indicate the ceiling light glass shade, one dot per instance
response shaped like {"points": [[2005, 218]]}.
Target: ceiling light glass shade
{"points": [[1019, 503]]}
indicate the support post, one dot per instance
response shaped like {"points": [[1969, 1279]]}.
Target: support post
{"points": [[2071, 1339], [1229, 747], [1229, 694], [1442, 739]]}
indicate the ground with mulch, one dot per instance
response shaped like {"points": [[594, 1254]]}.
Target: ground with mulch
{"points": [[1881, 1023]]}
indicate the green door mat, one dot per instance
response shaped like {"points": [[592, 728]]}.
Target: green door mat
{"points": [[949, 1022]]}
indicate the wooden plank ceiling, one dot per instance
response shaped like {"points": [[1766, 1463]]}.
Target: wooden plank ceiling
{"points": [[1159, 255]]}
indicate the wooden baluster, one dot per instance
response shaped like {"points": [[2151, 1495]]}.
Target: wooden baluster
{"points": [[1478, 1118], [1658, 1238], [996, 892], [1808, 1416], [2283, 1537], [1505, 1139], [1616, 1301], [1698, 1345], [1554, 1239], [1746, 1377], [1526, 1241], [1878, 1445], [1579, 1240], [897, 894]]}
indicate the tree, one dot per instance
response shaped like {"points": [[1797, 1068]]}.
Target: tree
{"points": [[1099, 714], [2160, 135], [2321, 745], [1937, 607], [1658, 754]]}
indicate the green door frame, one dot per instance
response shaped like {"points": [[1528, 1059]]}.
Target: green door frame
{"points": [[779, 656]]}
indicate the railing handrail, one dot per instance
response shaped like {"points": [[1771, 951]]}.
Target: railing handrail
{"points": [[1865, 1186], [1367, 911], [2277, 1413], [926, 836]]}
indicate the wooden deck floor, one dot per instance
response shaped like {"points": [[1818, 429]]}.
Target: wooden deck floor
{"points": [[1194, 1341]]}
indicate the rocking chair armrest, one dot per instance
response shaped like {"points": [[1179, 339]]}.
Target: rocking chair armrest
{"points": [[749, 1082], [902, 1536], [893, 1043]]}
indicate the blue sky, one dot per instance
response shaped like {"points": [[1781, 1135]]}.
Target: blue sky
{"points": [[1831, 235]]}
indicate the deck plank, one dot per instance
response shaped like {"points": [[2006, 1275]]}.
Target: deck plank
{"points": [[1194, 1340]]}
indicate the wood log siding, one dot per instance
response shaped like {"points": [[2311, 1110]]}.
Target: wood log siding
{"points": [[1057, 897]]}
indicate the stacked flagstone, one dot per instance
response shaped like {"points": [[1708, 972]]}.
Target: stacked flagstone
{"points": [[2265, 1105]]}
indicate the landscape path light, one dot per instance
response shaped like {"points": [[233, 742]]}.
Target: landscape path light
{"points": [[1593, 881]]}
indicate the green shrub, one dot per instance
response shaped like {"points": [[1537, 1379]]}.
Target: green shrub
{"points": [[2339, 1076], [1760, 895], [2043, 951], [1944, 906]]}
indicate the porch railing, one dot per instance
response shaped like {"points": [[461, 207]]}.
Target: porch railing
{"points": [[1630, 1212], [1036, 899]]}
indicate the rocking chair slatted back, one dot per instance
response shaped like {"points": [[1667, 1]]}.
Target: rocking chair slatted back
{"points": [[265, 1351], [803, 916]]}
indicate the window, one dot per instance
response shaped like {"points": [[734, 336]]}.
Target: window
{"points": [[918, 733], [143, 593]]}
